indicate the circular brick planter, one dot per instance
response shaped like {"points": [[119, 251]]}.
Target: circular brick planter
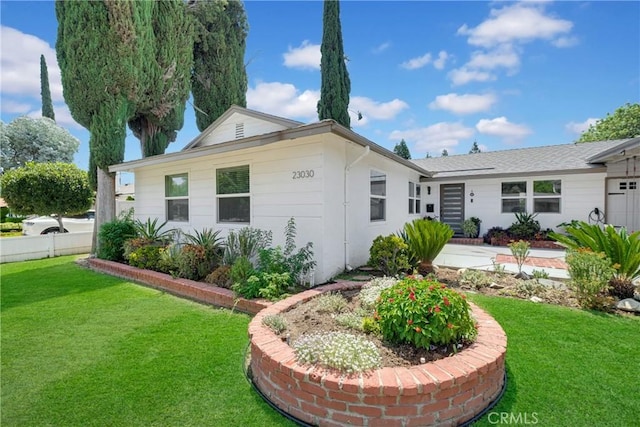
{"points": [[449, 391]]}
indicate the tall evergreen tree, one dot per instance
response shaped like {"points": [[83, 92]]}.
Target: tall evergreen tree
{"points": [[164, 61], [335, 85], [474, 148], [45, 92], [445, 153], [219, 77], [97, 56], [402, 150]]}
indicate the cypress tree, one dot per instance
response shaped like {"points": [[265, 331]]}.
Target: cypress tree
{"points": [[45, 92], [219, 77], [164, 61], [402, 150], [474, 148], [335, 85]]}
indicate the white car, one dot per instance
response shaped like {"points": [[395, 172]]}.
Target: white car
{"points": [[49, 224]]}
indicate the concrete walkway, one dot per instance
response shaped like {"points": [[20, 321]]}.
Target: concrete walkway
{"points": [[484, 257]]}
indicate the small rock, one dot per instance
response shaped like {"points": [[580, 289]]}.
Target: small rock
{"points": [[524, 276], [362, 278], [496, 286], [553, 284], [461, 271], [535, 299], [636, 295], [629, 304]]}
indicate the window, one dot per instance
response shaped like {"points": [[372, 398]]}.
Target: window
{"points": [[546, 196], [378, 196], [631, 185], [514, 197], [176, 193], [414, 198], [232, 190]]}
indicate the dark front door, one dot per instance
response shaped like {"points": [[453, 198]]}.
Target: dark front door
{"points": [[452, 206]]}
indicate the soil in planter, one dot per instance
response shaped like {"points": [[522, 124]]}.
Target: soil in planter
{"points": [[305, 319]]}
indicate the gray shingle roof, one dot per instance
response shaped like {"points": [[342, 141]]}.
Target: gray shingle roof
{"points": [[547, 159]]}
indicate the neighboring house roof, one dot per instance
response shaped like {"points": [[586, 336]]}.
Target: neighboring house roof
{"points": [[566, 158], [192, 150], [620, 151]]}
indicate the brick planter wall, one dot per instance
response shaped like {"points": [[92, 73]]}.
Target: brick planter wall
{"points": [[191, 289], [445, 392]]}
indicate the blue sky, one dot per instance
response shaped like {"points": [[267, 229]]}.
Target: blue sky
{"points": [[438, 74]]}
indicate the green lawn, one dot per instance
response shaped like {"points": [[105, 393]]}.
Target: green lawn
{"points": [[567, 367], [83, 349]]}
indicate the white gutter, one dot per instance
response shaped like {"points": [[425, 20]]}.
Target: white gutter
{"points": [[346, 204]]}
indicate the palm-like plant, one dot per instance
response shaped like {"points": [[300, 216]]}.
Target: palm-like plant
{"points": [[621, 248], [152, 232], [426, 239]]}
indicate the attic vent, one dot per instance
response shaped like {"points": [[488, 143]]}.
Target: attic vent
{"points": [[239, 130]]}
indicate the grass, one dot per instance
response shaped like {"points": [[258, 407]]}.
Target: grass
{"points": [[566, 366], [81, 348]]}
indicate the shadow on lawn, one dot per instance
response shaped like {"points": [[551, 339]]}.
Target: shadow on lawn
{"points": [[25, 287]]}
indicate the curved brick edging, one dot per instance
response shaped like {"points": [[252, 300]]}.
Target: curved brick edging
{"points": [[449, 391], [191, 289]]}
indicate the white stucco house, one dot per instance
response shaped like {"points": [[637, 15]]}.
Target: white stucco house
{"points": [[254, 169], [593, 182]]}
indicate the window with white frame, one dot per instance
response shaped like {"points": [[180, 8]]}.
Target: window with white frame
{"points": [[514, 196], [414, 198], [547, 196], [378, 196], [232, 192], [176, 193]]}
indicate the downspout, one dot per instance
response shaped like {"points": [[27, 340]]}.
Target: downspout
{"points": [[346, 205]]}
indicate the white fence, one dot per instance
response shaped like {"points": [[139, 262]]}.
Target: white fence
{"points": [[24, 248]]}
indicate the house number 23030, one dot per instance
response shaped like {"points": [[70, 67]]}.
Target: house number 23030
{"points": [[303, 174]]}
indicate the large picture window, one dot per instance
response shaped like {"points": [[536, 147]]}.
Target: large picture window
{"points": [[176, 193], [378, 196], [546, 196], [514, 196], [232, 191], [414, 198]]}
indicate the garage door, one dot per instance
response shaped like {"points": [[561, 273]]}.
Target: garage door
{"points": [[623, 203]]}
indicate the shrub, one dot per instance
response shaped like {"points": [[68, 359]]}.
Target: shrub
{"points": [[169, 259], [112, 237], [494, 233], [10, 226], [275, 322], [221, 277], [424, 313], [245, 242], [389, 255], [520, 251], [371, 291], [471, 227], [476, 278], [426, 239], [370, 326], [621, 248], [525, 227], [590, 273], [330, 302], [344, 352], [350, 320], [241, 272], [147, 257], [273, 286], [200, 256], [621, 288], [539, 274], [151, 231]]}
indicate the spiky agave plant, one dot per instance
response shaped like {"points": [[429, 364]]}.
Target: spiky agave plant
{"points": [[426, 239]]}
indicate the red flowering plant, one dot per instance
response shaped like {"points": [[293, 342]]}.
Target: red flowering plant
{"points": [[424, 313]]}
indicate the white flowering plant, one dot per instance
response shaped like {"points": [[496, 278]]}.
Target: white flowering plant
{"points": [[338, 350]]}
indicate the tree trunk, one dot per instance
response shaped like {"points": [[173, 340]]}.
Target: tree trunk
{"points": [[425, 268], [105, 204], [61, 227]]}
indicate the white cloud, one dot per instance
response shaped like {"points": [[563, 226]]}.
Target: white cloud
{"points": [[435, 138], [579, 128], [9, 106], [283, 99], [504, 57], [20, 65], [418, 62], [463, 104], [307, 56], [521, 22], [461, 76], [565, 42], [441, 61], [502, 128], [381, 48], [374, 110]]}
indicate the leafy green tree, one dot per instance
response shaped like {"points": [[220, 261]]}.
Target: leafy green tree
{"points": [[335, 85], [47, 188], [219, 77], [402, 150], [40, 140], [445, 153], [623, 123], [45, 92], [98, 58], [474, 148], [164, 60]]}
